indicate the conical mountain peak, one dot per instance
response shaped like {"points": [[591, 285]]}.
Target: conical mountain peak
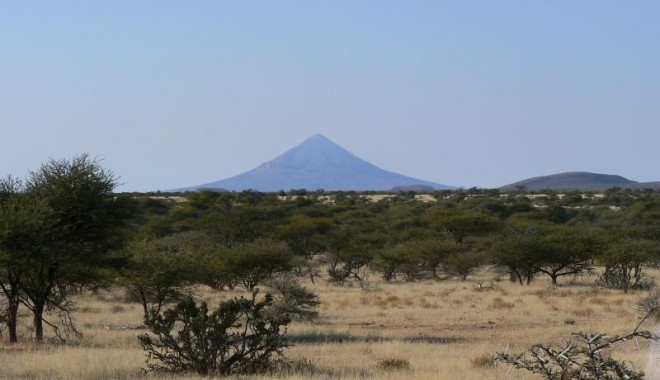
{"points": [[317, 163], [319, 141], [317, 137], [316, 153]]}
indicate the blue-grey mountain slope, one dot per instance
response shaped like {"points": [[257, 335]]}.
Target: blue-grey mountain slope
{"points": [[572, 181], [317, 163]]}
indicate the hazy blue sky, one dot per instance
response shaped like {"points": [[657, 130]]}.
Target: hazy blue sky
{"points": [[465, 93]]}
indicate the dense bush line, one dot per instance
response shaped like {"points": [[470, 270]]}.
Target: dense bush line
{"points": [[345, 236]]}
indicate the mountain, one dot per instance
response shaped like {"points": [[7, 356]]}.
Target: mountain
{"points": [[572, 181], [317, 163]]}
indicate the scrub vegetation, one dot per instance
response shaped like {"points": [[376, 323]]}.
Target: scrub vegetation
{"points": [[97, 285]]}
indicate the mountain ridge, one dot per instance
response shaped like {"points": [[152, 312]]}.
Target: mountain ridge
{"points": [[317, 163], [576, 180]]}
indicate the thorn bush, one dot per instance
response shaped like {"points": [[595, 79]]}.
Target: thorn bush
{"points": [[586, 358], [239, 337]]}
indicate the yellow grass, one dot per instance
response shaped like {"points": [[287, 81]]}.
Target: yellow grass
{"points": [[424, 330]]}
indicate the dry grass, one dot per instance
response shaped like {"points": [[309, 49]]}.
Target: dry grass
{"points": [[424, 330]]}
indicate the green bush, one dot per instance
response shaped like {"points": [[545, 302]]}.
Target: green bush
{"points": [[294, 302], [239, 337]]}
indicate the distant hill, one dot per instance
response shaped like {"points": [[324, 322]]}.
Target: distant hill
{"points": [[318, 163], [572, 181]]}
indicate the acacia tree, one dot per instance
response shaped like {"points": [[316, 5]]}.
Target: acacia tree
{"points": [[252, 263], [22, 224], [432, 253], [306, 236], [350, 253], [242, 223], [462, 224], [389, 261], [83, 223], [516, 253], [526, 250], [159, 269], [564, 252], [623, 261], [461, 264]]}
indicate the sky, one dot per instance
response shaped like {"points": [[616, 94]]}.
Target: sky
{"points": [[171, 94]]}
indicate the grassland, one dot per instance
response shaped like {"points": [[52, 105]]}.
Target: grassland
{"points": [[424, 330]]}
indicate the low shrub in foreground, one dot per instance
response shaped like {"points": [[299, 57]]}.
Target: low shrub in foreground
{"points": [[239, 337]]}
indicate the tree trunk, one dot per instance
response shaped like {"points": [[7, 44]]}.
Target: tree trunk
{"points": [[38, 321], [140, 291], [12, 320], [11, 291], [515, 276]]}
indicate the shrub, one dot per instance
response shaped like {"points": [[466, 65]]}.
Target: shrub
{"points": [[389, 261], [255, 262], [394, 364], [462, 264], [619, 277], [338, 275], [296, 301], [239, 337], [587, 356]]}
